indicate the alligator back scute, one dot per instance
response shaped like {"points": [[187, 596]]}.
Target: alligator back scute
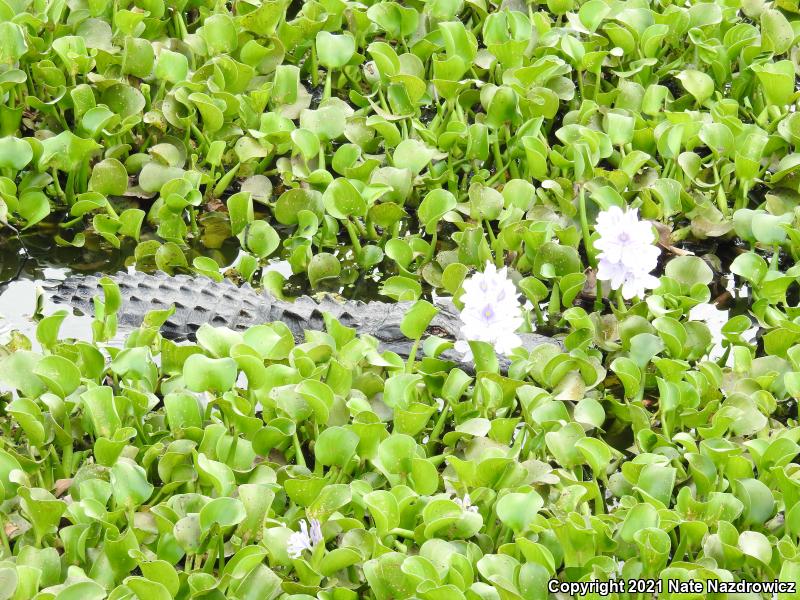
{"points": [[379, 319], [197, 300]]}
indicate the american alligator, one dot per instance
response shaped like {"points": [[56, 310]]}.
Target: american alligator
{"points": [[200, 300]]}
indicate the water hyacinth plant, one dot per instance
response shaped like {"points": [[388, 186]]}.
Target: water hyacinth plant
{"points": [[609, 193], [491, 311], [465, 503], [627, 254], [305, 539]]}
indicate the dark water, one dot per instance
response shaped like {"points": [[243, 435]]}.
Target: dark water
{"points": [[33, 261]]}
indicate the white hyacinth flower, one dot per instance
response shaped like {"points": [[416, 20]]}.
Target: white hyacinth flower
{"points": [[627, 253], [304, 539], [633, 282], [465, 503], [492, 313]]}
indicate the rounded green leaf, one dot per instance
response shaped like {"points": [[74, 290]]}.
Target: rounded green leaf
{"points": [[434, 206], [203, 374], [220, 34], [224, 512], [336, 446], [323, 266], [342, 200], [171, 66], [260, 238], [12, 42], [689, 270], [777, 33], [517, 510], [335, 50], [109, 178], [14, 153], [129, 484], [60, 374], [413, 155], [417, 319], [698, 84]]}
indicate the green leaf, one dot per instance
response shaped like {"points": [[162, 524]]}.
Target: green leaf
{"points": [[777, 33], [417, 319], [518, 510], [109, 178], [342, 200], [555, 260], [323, 266], [689, 270], [434, 206], [203, 374], [777, 81], [169, 257], [698, 84], [334, 51], [14, 153], [217, 474], [397, 20], [99, 403], [12, 43], [335, 446], [260, 238], [182, 411], [129, 484], [384, 510], [66, 151], [61, 376], [137, 57], [224, 512], [171, 66], [413, 155], [34, 206], [220, 34], [16, 371]]}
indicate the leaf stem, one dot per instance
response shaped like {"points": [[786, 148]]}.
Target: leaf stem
{"points": [[406, 533], [412, 355], [437, 429], [326, 93], [314, 69], [301, 460], [589, 248], [620, 300], [351, 231], [498, 156]]}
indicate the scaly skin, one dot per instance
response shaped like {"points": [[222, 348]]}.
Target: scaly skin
{"points": [[200, 300]]}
